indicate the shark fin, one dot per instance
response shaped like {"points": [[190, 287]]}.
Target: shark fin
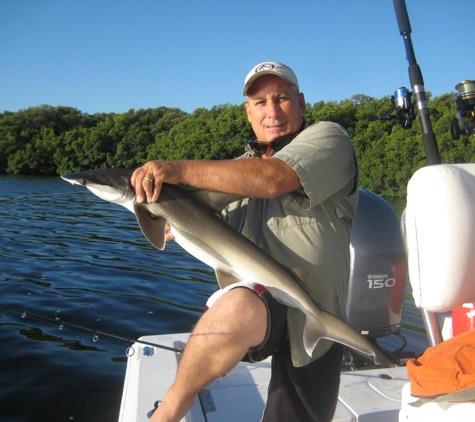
{"points": [[313, 331], [330, 327], [152, 226], [216, 200], [225, 278]]}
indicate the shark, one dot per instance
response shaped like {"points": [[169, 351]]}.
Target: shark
{"points": [[194, 217]]}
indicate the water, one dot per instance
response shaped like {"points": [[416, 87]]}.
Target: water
{"points": [[66, 254]]}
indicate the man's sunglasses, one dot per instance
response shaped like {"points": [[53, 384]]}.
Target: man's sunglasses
{"points": [[260, 148], [276, 144]]}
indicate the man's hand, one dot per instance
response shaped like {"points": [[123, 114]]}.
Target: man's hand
{"points": [[168, 233], [147, 180], [259, 178]]}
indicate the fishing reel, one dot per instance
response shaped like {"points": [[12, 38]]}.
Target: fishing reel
{"points": [[402, 101], [465, 104]]}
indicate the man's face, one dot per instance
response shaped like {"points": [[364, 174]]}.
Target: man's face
{"points": [[274, 108]]}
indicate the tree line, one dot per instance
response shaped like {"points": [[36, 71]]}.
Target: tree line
{"points": [[48, 140]]}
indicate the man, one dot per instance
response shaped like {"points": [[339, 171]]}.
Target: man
{"points": [[302, 185]]}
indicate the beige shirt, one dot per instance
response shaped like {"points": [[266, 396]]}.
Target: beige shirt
{"points": [[310, 227]]}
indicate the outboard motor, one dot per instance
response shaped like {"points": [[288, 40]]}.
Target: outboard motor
{"points": [[465, 103], [378, 272]]}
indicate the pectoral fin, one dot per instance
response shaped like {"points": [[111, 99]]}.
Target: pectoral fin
{"points": [[153, 227]]}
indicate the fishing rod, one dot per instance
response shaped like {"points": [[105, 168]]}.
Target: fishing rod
{"points": [[417, 84], [62, 323], [428, 137]]}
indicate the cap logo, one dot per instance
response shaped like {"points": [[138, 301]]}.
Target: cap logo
{"points": [[265, 66]]}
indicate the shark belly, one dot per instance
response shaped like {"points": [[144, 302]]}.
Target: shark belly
{"points": [[207, 255], [256, 267]]}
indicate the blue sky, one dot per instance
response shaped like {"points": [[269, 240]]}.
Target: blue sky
{"points": [[115, 55]]}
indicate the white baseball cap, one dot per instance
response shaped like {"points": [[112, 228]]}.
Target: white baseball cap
{"points": [[270, 68]]}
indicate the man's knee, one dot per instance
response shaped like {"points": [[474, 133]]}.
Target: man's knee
{"points": [[242, 310]]}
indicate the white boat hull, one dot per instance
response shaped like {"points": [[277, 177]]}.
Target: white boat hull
{"points": [[368, 395]]}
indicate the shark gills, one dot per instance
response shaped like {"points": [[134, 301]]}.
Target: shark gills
{"points": [[198, 228]]}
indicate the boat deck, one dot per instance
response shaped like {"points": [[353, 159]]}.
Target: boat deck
{"points": [[365, 396]]}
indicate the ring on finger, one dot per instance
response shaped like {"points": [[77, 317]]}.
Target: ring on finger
{"points": [[148, 179]]}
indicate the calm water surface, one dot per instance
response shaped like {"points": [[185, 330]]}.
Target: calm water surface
{"points": [[68, 255]]}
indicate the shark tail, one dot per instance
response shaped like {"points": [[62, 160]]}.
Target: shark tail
{"points": [[332, 328]]}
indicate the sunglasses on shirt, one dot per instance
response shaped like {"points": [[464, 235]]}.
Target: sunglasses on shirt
{"points": [[260, 148]]}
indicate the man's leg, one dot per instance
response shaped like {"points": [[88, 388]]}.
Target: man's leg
{"points": [[223, 335], [308, 393]]}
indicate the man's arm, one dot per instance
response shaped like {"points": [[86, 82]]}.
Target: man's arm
{"points": [[258, 178]]}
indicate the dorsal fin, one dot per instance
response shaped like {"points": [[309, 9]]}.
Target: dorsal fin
{"points": [[216, 200]]}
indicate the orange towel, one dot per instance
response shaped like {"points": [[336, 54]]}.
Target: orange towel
{"points": [[445, 368]]}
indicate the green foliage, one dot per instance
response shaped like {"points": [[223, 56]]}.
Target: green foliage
{"points": [[50, 140], [29, 138], [218, 133]]}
